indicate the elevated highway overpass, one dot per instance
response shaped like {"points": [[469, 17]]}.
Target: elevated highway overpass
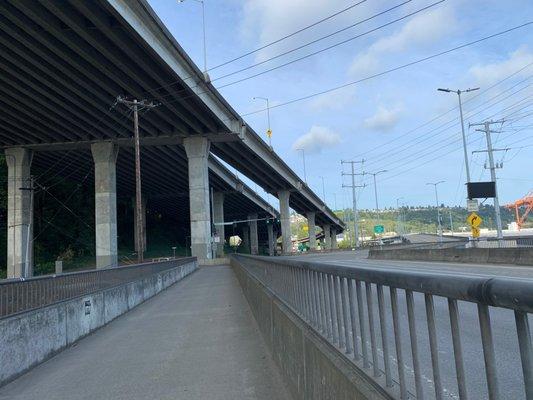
{"points": [[63, 63]]}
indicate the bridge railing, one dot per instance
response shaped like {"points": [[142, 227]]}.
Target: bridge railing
{"points": [[494, 243], [20, 295], [339, 303]]}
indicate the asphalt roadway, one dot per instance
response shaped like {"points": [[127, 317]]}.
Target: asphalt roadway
{"points": [[504, 330]]}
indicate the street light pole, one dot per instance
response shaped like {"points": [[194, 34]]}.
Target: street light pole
{"points": [[438, 207], [323, 190], [202, 2], [374, 174], [303, 156], [458, 92], [269, 131], [400, 221]]}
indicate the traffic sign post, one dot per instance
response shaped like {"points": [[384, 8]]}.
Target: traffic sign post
{"points": [[474, 220], [472, 205], [379, 229]]}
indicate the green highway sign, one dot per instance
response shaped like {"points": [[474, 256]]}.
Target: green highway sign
{"points": [[379, 229]]}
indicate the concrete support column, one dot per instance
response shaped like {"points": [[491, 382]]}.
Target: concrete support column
{"points": [[334, 244], [143, 210], [327, 236], [19, 213], [271, 239], [283, 197], [254, 240], [218, 214], [105, 200], [312, 229], [246, 238], [197, 149]]}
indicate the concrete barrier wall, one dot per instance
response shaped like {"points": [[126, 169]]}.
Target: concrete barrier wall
{"points": [[32, 337], [312, 368], [516, 256]]}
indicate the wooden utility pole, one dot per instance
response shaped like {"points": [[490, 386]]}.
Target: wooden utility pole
{"points": [[135, 106]]}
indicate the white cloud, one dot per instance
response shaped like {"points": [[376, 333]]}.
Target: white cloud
{"points": [[422, 30], [333, 101], [490, 73], [267, 20], [384, 119], [318, 138]]}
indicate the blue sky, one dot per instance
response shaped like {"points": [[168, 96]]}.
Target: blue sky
{"points": [[385, 120]]}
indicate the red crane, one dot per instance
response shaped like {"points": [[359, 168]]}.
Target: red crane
{"points": [[527, 203]]}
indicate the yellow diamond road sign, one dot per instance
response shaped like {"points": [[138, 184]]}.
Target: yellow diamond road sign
{"points": [[474, 220]]}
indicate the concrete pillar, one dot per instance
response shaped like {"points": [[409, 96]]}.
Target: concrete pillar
{"points": [[59, 267], [246, 238], [105, 199], [197, 149], [312, 229], [334, 244], [143, 210], [19, 213], [271, 239], [285, 220], [218, 213], [254, 240], [327, 236]]}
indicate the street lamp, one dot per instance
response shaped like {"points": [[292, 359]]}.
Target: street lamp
{"points": [[374, 174], [202, 2], [458, 92], [269, 131], [435, 184], [323, 189], [303, 157], [400, 222]]}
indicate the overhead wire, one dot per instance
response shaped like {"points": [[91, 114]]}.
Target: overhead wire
{"points": [[269, 44], [171, 94], [330, 35], [414, 142], [291, 35]]}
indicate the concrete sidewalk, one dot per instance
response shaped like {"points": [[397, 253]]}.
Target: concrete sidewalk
{"points": [[196, 340]]}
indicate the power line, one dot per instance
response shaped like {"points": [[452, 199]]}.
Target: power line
{"points": [[380, 147], [291, 35], [310, 43], [333, 89], [402, 148], [330, 35], [388, 71], [78, 187]]}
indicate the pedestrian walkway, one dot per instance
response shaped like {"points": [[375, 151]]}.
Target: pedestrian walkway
{"points": [[197, 341]]}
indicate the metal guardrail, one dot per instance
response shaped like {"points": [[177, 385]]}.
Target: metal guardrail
{"points": [[20, 295], [332, 299], [494, 243]]}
